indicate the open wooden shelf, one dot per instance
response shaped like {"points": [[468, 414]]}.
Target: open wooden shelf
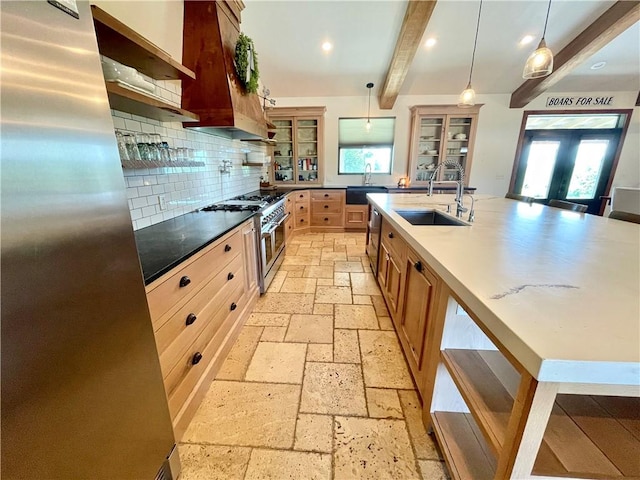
{"points": [[586, 436], [130, 101], [464, 449], [124, 45], [135, 165]]}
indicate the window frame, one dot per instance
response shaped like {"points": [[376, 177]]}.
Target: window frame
{"points": [[391, 146]]}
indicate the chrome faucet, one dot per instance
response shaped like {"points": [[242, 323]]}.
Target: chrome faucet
{"points": [[472, 213], [366, 179], [460, 209]]}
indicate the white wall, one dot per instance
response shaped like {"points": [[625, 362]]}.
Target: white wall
{"points": [[496, 139]]}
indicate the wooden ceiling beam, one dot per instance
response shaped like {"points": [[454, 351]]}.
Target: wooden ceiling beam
{"points": [[608, 26], [414, 24]]}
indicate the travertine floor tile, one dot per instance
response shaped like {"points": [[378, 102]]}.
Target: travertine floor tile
{"points": [[379, 305], [310, 329], [292, 248], [314, 433], [367, 448], [316, 271], [277, 363], [281, 465], [383, 363], [433, 470], [210, 462], [319, 352], [346, 348], [423, 443], [323, 309], [334, 256], [341, 279], [246, 414], [298, 285], [273, 334], [364, 284], [383, 403], [356, 250], [385, 323], [348, 266], [321, 244], [300, 260], [277, 281], [325, 281], [346, 241], [285, 303], [362, 299], [356, 316], [296, 274], [291, 268], [332, 295], [269, 319], [235, 365], [339, 249], [333, 388]]}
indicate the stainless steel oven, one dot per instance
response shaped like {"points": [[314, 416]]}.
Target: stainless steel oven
{"points": [[271, 242]]}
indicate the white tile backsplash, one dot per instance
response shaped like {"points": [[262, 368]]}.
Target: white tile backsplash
{"points": [[185, 188]]}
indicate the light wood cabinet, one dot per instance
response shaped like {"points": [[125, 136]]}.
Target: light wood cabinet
{"points": [[197, 310], [391, 270], [327, 209], [355, 217], [419, 294], [301, 210], [441, 133], [298, 154]]}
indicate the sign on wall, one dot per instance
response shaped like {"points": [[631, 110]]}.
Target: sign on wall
{"points": [[580, 101]]}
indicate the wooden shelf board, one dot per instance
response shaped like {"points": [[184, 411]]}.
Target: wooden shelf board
{"points": [[253, 164], [583, 439], [463, 446], [124, 45], [129, 101]]}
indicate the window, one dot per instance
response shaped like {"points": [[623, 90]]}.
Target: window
{"points": [[358, 146]]}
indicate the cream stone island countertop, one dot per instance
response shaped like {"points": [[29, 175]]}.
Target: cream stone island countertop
{"points": [[560, 290]]}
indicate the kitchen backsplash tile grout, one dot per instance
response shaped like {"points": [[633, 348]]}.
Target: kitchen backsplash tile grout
{"points": [[185, 188]]}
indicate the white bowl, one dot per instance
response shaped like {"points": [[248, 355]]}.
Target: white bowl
{"points": [[460, 136], [432, 152]]}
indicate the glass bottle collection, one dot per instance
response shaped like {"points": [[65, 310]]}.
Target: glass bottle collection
{"points": [[148, 150]]}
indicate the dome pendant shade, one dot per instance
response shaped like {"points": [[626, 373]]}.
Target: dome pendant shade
{"points": [[467, 97], [540, 63]]}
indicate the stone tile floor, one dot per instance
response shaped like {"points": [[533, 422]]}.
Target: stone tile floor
{"points": [[316, 386]]}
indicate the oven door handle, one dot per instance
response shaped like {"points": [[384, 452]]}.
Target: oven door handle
{"points": [[275, 226]]}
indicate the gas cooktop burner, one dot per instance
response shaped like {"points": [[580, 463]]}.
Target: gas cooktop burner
{"points": [[250, 202], [256, 198]]}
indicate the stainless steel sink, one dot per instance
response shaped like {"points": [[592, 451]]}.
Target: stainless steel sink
{"points": [[429, 217]]}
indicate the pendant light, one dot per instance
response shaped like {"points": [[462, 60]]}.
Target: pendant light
{"points": [[368, 125], [540, 63], [468, 96]]}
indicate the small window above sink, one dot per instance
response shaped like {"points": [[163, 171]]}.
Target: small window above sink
{"points": [[430, 217]]}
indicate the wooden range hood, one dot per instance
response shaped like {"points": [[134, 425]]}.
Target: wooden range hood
{"points": [[211, 31]]}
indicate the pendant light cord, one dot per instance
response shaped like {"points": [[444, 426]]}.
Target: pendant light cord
{"points": [[475, 42], [546, 20]]}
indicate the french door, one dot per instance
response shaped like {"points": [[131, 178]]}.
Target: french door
{"points": [[572, 165]]}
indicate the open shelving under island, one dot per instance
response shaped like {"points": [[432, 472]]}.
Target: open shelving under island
{"points": [[531, 364]]}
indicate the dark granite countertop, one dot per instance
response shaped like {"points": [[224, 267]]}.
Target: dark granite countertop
{"points": [[165, 245]]}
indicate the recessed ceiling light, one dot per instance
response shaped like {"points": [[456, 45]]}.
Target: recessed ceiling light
{"points": [[598, 65], [327, 46], [430, 42], [526, 40]]}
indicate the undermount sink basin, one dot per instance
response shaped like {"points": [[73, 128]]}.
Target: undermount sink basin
{"points": [[429, 217], [358, 195]]}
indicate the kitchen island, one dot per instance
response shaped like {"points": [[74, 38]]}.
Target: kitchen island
{"points": [[532, 349]]}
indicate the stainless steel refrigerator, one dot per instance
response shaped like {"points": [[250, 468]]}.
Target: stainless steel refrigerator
{"points": [[82, 392]]}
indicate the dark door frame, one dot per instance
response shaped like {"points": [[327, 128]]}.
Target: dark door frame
{"points": [[616, 158]]}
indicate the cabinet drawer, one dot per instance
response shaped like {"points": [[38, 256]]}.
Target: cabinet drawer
{"points": [[328, 195], [301, 220], [188, 279], [179, 332], [301, 196], [327, 220], [301, 209], [355, 216], [320, 208], [184, 376], [394, 241]]}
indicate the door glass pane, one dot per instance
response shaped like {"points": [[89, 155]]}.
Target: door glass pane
{"points": [[540, 165], [587, 169]]}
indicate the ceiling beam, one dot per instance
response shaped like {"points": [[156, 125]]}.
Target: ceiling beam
{"points": [[608, 26], [414, 24]]}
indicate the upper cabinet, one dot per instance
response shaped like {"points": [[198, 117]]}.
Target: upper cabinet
{"points": [[441, 133], [298, 154], [122, 44]]}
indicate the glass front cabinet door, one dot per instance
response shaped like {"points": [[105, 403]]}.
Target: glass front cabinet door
{"points": [[298, 150], [441, 134]]}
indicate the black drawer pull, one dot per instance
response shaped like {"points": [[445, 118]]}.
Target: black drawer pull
{"points": [[301, 195], [302, 208], [326, 219], [230, 276], [326, 194], [418, 265], [184, 281], [191, 318], [289, 227], [326, 206], [301, 220], [390, 234], [196, 358], [233, 307], [227, 247]]}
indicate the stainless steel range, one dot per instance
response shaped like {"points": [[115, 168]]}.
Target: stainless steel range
{"points": [[269, 226]]}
